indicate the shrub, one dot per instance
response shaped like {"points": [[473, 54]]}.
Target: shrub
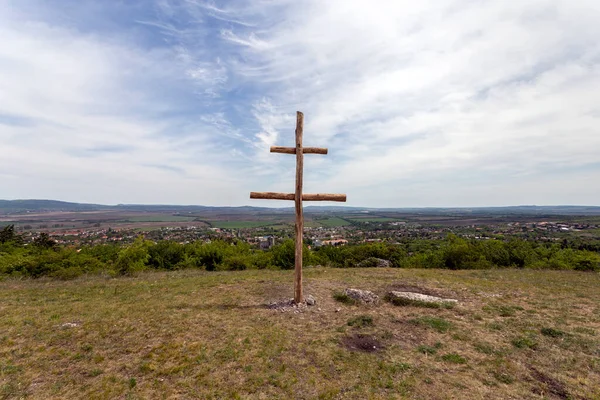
{"points": [[236, 263], [587, 261], [284, 255], [166, 255], [133, 258]]}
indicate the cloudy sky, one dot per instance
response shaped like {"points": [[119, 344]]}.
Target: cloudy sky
{"points": [[421, 103]]}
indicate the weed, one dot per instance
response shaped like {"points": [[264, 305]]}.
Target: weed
{"points": [[454, 358], [496, 326], [426, 349], [555, 333], [132, 383], [361, 321], [523, 342], [585, 330], [438, 324], [502, 310], [485, 348], [503, 377], [343, 298]]}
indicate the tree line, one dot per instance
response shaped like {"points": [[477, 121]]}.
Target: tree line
{"points": [[44, 257]]}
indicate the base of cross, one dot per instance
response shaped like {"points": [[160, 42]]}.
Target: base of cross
{"points": [[298, 197]]}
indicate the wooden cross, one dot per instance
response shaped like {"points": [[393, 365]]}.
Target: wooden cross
{"points": [[298, 197]]}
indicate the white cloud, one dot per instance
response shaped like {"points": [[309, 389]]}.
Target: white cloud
{"points": [[96, 126], [431, 103], [410, 93]]}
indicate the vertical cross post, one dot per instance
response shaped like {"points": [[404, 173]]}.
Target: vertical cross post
{"points": [[298, 198], [298, 296]]}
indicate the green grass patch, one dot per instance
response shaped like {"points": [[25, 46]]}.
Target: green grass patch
{"points": [[437, 324], [454, 358], [555, 333], [428, 350], [524, 342], [342, 297], [361, 321]]}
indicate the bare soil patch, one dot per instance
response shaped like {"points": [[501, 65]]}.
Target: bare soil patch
{"points": [[362, 342]]}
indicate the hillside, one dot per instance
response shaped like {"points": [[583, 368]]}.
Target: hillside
{"points": [[32, 205], [194, 334]]}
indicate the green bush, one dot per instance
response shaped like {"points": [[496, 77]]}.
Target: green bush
{"points": [[237, 263], [166, 254], [284, 255], [133, 258]]}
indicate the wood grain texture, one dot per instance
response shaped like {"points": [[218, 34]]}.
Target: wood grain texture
{"points": [[292, 150], [292, 196], [324, 197], [298, 295], [272, 196]]}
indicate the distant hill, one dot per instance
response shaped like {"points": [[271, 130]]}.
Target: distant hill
{"points": [[23, 206], [32, 205]]}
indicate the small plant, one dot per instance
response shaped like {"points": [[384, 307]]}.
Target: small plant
{"points": [[454, 358], [584, 330], [361, 321], [132, 383], [506, 311], [503, 377], [523, 342], [438, 324], [343, 298], [555, 333], [428, 350], [485, 348]]}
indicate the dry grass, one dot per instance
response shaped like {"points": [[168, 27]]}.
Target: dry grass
{"points": [[192, 334]]}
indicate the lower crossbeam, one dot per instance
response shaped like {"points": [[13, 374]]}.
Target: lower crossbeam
{"points": [[305, 197]]}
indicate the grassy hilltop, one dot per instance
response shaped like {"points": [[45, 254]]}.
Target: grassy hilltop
{"points": [[194, 334]]}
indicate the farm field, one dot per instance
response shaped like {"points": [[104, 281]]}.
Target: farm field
{"points": [[160, 218], [331, 222], [518, 334], [241, 224], [374, 219]]}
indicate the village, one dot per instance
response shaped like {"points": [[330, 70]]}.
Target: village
{"points": [[266, 237]]}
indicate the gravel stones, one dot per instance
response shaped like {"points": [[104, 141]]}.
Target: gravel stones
{"points": [[418, 297], [364, 296]]}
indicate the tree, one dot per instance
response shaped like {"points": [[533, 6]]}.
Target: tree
{"points": [[133, 258], [44, 241], [7, 234]]}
